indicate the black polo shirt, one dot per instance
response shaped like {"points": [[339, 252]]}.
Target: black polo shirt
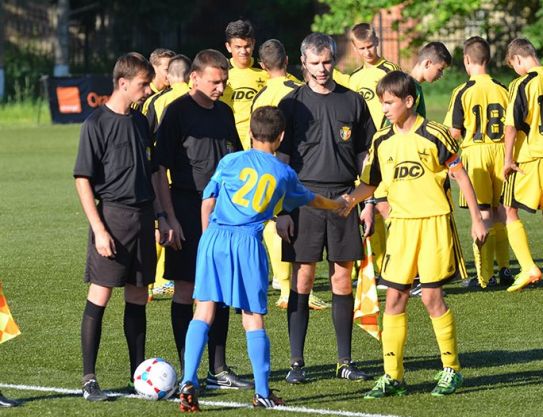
{"points": [[325, 133], [191, 140], [115, 153]]}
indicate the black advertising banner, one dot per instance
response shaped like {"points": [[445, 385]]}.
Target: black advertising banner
{"points": [[73, 99]]}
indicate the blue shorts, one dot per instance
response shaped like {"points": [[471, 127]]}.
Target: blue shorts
{"points": [[232, 268]]}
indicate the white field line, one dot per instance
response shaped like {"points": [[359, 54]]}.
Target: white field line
{"points": [[229, 404]]}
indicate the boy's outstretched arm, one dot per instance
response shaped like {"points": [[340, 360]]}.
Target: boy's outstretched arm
{"points": [[478, 229], [324, 203]]}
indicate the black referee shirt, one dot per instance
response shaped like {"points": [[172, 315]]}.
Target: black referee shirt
{"points": [[115, 153], [325, 133], [191, 140]]}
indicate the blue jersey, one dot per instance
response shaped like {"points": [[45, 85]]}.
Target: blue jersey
{"points": [[251, 187]]}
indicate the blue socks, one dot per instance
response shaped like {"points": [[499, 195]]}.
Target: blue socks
{"points": [[258, 347], [194, 348]]}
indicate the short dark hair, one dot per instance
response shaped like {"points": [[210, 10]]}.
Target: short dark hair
{"points": [[317, 42], [160, 53], [397, 83], [363, 32], [242, 29], [272, 54], [129, 66], [478, 50], [267, 123], [436, 52], [179, 67], [209, 58], [520, 46]]}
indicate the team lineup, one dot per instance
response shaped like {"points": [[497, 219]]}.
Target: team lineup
{"points": [[195, 172]]}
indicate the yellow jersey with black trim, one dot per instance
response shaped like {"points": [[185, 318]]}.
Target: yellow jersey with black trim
{"points": [[477, 109], [524, 112], [340, 77], [413, 168], [160, 101], [241, 88], [274, 91], [364, 81]]}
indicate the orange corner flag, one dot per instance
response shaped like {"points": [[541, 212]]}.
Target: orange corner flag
{"points": [[8, 327], [366, 302]]}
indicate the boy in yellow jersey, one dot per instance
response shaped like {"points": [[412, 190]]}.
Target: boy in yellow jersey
{"points": [[413, 157], [159, 59], [475, 118], [364, 81], [178, 77], [523, 166], [273, 59], [244, 79]]}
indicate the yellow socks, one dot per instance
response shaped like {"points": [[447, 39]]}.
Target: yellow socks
{"points": [[519, 243], [502, 246], [445, 331], [393, 337]]}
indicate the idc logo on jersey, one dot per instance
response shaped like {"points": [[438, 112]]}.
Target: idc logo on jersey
{"points": [[408, 170], [366, 93], [244, 93]]}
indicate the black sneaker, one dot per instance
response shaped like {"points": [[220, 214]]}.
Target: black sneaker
{"points": [[470, 283], [92, 391], [188, 399], [506, 277], [492, 282], [416, 291], [271, 402], [6, 402], [347, 370], [296, 375], [227, 380]]}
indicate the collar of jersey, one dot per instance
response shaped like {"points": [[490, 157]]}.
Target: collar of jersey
{"points": [[415, 126], [236, 67]]}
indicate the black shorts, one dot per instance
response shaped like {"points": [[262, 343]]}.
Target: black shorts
{"points": [[181, 265], [133, 230], [316, 229]]}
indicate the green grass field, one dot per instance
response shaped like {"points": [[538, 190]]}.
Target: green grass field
{"points": [[42, 256]]}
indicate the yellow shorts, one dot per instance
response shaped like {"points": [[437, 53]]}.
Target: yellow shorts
{"points": [[525, 189], [426, 247], [484, 165]]}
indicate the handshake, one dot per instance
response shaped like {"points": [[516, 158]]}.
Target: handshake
{"points": [[345, 204]]}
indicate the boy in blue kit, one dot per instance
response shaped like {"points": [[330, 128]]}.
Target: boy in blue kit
{"points": [[247, 189]]}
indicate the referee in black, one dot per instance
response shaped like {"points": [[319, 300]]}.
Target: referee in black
{"points": [[329, 130], [114, 167], [196, 132]]}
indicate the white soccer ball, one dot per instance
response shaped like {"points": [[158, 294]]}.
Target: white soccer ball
{"points": [[155, 379]]}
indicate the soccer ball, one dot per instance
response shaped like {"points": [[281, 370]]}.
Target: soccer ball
{"points": [[155, 379]]}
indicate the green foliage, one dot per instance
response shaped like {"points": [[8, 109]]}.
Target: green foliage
{"points": [[23, 68]]}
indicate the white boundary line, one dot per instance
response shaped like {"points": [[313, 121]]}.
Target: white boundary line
{"points": [[229, 404]]}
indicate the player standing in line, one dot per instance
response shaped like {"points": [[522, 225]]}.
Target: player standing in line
{"points": [[196, 132], [159, 59], [475, 119], [114, 167], [364, 81], [523, 167], [245, 80], [413, 157], [178, 77], [329, 129], [247, 189], [273, 59]]}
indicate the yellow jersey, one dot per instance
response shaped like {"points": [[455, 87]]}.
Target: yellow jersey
{"points": [[242, 86], [413, 168], [364, 81], [158, 105], [477, 109], [524, 113], [340, 78], [275, 89]]}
